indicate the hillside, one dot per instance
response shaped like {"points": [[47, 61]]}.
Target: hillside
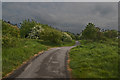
{"points": [[97, 56], [20, 44]]}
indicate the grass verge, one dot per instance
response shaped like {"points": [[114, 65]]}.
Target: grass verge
{"points": [[13, 57], [94, 60]]}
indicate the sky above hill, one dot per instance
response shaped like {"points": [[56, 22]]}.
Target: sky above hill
{"points": [[67, 16]]}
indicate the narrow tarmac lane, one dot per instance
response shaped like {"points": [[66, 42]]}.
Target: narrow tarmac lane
{"points": [[51, 64]]}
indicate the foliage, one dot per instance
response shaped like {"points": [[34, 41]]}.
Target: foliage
{"points": [[71, 34], [26, 27], [8, 29], [78, 36], [10, 35], [8, 41], [51, 35], [90, 32], [95, 60], [66, 37], [14, 56], [35, 32], [72, 43], [110, 33], [94, 33]]}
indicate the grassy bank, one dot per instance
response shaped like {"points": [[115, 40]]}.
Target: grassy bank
{"points": [[20, 44], [14, 56], [95, 60]]}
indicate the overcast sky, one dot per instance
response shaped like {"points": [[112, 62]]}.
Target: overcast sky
{"points": [[64, 15], [59, 0]]}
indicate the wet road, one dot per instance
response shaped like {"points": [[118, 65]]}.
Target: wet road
{"points": [[51, 64]]}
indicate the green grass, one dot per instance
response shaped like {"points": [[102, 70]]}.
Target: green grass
{"points": [[68, 43], [14, 56], [94, 60], [57, 45]]}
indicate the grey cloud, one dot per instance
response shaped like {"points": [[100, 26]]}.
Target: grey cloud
{"points": [[72, 16]]}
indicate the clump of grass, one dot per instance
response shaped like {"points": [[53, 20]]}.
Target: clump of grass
{"points": [[94, 60]]}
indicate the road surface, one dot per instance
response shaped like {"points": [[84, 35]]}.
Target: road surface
{"points": [[51, 64]]}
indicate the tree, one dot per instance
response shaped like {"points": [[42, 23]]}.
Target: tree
{"points": [[51, 35], [26, 27], [35, 32], [90, 32], [111, 33]]}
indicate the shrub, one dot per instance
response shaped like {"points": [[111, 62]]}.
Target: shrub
{"points": [[35, 32], [66, 37], [111, 33], [8, 41], [94, 33], [26, 27], [8, 29], [90, 32], [10, 35], [51, 35], [72, 35]]}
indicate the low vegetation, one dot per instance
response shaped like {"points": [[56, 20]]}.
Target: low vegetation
{"points": [[94, 60], [97, 56], [15, 56]]}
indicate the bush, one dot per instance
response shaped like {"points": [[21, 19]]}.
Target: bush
{"points": [[8, 41], [51, 35], [90, 32], [66, 37], [72, 35], [35, 32], [10, 35], [26, 27], [111, 33], [8, 29], [94, 33]]}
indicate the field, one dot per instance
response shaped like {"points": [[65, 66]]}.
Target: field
{"points": [[95, 59]]}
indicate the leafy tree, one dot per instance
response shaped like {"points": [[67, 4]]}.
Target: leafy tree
{"points": [[94, 33], [51, 35], [77, 36], [90, 32], [35, 32], [26, 27], [111, 33]]}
